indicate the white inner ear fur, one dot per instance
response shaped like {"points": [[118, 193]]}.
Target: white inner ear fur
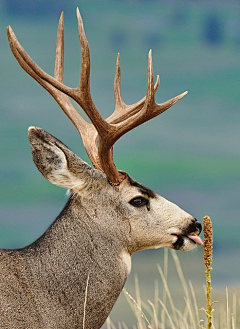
{"points": [[68, 180], [62, 176]]}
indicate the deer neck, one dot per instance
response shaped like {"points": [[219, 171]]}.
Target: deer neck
{"points": [[76, 261], [78, 235]]}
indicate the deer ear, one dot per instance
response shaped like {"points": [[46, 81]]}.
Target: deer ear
{"points": [[57, 163]]}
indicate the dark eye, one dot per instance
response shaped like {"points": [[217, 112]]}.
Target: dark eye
{"points": [[139, 202]]}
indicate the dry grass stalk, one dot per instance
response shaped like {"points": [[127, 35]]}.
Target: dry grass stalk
{"points": [[85, 302], [132, 302]]}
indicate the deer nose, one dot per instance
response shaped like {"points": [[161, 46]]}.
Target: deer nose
{"points": [[198, 225]]}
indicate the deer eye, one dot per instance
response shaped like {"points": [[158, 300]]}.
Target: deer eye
{"points": [[139, 201]]}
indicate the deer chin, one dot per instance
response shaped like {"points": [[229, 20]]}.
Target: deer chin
{"points": [[187, 242]]}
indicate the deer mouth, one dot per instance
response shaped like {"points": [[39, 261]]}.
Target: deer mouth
{"points": [[189, 238], [187, 242]]}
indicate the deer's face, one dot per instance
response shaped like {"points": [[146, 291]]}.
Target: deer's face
{"points": [[129, 211], [138, 215], [156, 222]]}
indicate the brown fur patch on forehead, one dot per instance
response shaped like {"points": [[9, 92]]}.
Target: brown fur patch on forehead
{"points": [[142, 188]]}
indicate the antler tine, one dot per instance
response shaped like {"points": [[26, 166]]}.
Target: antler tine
{"points": [[117, 86], [150, 108], [84, 96], [12, 42], [74, 116], [157, 108], [123, 111], [150, 86], [86, 130], [15, 45], [29, 63], [59, 58], [85, 56], [31, 67]]}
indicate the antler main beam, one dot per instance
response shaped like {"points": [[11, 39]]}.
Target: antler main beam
{"points": [[100, 136]]}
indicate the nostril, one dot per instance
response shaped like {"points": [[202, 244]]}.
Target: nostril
{"points": [[198, 226]]}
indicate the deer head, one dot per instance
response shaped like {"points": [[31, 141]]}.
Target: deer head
{"points": [[108, 217], [100, 136]]}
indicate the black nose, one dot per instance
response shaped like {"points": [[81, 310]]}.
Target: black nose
{"points": [[198, 225]]}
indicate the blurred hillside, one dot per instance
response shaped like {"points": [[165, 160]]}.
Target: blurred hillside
{"points": [[190, 154]]}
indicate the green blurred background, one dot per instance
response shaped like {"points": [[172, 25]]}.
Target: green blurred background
{"points": [[190, 154]]}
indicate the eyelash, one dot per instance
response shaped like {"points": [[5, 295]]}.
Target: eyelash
{"points": [[139, 202]]}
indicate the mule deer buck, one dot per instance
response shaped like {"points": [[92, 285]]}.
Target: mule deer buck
{"points": [[73, 274]]}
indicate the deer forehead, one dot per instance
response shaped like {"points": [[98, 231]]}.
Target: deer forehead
{"points": [[130, 189], [129, 192]]}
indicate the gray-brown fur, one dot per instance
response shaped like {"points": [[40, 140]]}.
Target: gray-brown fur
{"points": [[44, 285]]}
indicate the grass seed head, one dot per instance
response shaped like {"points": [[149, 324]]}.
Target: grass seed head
{"points": [[208, 241]]}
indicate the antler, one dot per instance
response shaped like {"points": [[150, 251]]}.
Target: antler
{"points": [[100, 136]]}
